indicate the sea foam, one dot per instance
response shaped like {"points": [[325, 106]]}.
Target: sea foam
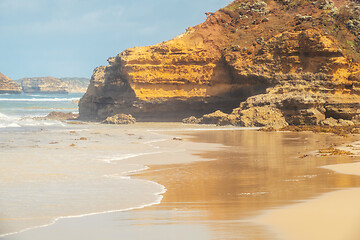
{"points": [[37, 99]]}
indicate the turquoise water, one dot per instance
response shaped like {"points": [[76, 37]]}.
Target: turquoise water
{"points": [[16, 110], [38, 104]]}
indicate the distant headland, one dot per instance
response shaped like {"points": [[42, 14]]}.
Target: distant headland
{"points": [[50, 85]]}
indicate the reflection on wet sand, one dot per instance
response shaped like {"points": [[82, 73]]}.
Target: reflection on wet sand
{"points": [[256, 171]]}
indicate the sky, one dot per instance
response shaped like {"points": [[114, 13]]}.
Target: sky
{"points": [[69, 38]]}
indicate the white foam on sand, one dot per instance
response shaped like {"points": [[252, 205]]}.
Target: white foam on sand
{"points": [[38, 99], [158, 189], [17, 122], [158, 194], [134, 155], [129, 155]]}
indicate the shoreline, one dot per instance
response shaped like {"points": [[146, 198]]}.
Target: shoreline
{"points": [[130, 173], [307, 177], [196, 157], [54, 221]]}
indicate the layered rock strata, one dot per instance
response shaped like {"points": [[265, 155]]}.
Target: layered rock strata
{"points": [[43, 85], [283, 62], [75, 84], [8, 86]]}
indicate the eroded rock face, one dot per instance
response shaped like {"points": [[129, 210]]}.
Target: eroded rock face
{"points": [[44, 85], [76, 85], [285, 62], [8, 86]]}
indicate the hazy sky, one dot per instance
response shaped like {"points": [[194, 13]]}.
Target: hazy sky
{"points": [[69, 38]]}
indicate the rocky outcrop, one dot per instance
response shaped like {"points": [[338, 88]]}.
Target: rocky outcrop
{"points": [[54, 85], [76, 85], [61, 116], [262, 63], [8, 86], [43, 85], [120, 119]]}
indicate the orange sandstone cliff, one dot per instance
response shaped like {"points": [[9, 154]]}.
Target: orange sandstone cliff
{"points": [[8, 86], [262, 63]]}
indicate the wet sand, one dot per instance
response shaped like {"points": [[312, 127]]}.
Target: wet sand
{"points": [[256, 172], [332, 216], [216, 189]]}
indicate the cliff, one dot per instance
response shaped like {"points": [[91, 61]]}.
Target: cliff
{"points": [[8, 86], [54, 85], [43, 85], [296, 61], [76, 85]]}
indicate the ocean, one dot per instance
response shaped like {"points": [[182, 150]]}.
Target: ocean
{"points": [[51, 170], [16, 110]]}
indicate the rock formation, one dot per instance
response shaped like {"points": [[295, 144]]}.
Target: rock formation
{"points": [[120, 119], [8, 86], [54, 85], [43, 85], [76, 85], [61, 116], [262, 63]]}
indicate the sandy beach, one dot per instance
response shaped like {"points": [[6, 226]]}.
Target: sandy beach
{"points": [[218, 181]]}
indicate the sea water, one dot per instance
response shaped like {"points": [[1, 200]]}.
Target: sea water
{"points": [[16, 109], [51, 170]]}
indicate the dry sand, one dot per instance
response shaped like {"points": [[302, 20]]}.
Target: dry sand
{"points": [[332, 216]]}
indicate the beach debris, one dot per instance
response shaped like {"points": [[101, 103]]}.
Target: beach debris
{"points": [[76, 123], [177, 139], [120, 119], [83, 138], [333, 152], [72, 145], [338, 130], [53, 142]]}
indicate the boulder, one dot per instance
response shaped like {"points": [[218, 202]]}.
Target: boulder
{"points": [[191, 120], [120, 119], [331, 122], [213, 118], [265, 116], [61, 116]]}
